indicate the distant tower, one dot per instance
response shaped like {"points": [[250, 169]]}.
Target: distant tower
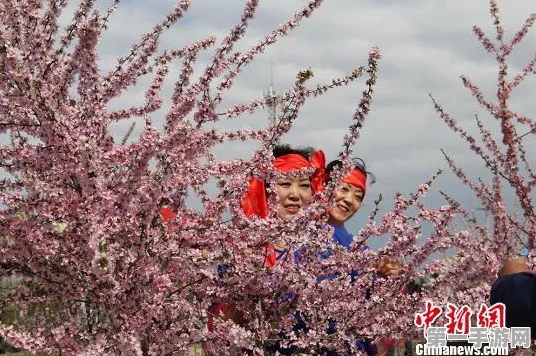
{"points": [[271, 98]]}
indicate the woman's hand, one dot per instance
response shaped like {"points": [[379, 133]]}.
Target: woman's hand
{"points": [[387, 266]]}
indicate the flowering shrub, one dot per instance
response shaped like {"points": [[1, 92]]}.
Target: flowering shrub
{"points": [[113, 261], [509, 164]]}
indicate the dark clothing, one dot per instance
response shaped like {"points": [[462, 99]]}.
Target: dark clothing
{"points": [[518, 293]]}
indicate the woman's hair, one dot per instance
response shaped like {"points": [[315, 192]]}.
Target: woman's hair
{"points": [[281, 150], [359, 164]]}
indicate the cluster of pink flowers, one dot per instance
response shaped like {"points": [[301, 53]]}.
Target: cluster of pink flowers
{"points": [[105, 271], [511, 170]]}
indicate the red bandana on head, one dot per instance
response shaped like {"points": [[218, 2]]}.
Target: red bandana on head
{"points": [[290, 162], [357, 178], [254, 203]]}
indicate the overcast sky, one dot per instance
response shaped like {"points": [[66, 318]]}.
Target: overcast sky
{"points": [[426, 46]]}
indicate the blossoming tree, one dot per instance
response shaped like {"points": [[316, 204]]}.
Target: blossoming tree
{"points": [[508, 197], [111, 259]]}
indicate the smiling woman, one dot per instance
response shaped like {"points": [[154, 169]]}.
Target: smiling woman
{"points": [[349, 196], [348, 200], [293, 194]]}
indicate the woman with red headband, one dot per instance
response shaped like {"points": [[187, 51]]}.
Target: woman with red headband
{"points": [[293, 193], [348, 200], [287, 160]]}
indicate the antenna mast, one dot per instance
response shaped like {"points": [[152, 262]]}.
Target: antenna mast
{"points": [[271, 98]]}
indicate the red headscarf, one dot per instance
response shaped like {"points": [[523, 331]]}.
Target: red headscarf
{"points": [[254, 203], [168, 218], [357, 178]]}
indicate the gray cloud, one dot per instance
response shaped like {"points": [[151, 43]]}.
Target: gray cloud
{"points": [[426, 46]]}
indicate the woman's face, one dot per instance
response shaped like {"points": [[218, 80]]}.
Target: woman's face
{"points": [[293, 194], [347, 202]]}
